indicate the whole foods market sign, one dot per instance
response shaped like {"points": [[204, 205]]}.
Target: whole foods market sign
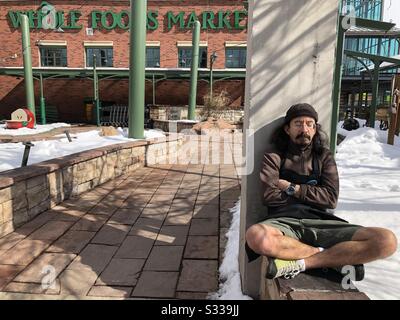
{"points": [[49, 18]]}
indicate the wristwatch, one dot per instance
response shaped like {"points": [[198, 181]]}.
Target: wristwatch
{"points": [[291, 189]]}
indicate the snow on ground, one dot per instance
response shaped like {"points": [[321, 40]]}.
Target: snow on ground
{"points": [[26, 131], [369, 171], [230, 288], [11, 153]]}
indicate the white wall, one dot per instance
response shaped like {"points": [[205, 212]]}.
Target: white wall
{"points": [[291, 56]]}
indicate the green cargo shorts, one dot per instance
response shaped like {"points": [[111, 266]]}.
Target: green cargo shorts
{"points": [[314, 232]]}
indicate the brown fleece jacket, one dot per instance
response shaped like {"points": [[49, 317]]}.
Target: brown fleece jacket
{"points": [[322, 196]]}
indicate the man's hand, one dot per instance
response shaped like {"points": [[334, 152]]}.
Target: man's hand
{"points": [[283, 184]]}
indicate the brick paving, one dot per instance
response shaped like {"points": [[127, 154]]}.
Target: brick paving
{"points": [[158, 232]]}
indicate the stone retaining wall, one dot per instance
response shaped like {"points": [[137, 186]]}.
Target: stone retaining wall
{"points": [[233, 116], [26, 192]]}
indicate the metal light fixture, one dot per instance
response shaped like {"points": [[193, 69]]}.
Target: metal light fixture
{"points": [[213, 57]]}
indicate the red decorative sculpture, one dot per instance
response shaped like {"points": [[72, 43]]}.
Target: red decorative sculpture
{"points": [[21, 118]]}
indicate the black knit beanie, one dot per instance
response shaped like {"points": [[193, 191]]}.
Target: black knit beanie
{"points": [[301, 110]]}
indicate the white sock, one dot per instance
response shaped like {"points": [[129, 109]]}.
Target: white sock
{"points": [[321, 249], [302, 264]]}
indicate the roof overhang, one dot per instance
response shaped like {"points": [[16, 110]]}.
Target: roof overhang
{"points": [[156, 73]]}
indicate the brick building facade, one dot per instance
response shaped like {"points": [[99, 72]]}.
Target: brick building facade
{"points": [[83, 28]]}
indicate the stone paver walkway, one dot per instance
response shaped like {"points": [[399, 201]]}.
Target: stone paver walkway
{"points": [[156, 233]]}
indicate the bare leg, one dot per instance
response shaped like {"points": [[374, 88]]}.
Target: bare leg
{"points": [[271, 242], [367, 244]]}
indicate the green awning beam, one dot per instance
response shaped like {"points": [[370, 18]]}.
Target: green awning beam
{"points": [[372, 24], [161, 75], [372, 57]]}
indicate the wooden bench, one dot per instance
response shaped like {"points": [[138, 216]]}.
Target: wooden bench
{"points": [[315, 284]]}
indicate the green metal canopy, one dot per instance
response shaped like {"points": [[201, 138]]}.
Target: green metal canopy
{"points": [[103, 73], [360, 23]]}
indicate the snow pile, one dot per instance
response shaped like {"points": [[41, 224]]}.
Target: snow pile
{"points": [[26, 131], [11, 153], [369, 171]]}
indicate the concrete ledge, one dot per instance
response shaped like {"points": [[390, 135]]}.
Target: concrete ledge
{"points": [[313, 285], [26, 192]]}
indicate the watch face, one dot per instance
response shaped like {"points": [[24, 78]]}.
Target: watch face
{"points": [[290, 190]]}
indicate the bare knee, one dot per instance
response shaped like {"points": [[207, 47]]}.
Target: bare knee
{"points": [[260, 239], [384, 242]]}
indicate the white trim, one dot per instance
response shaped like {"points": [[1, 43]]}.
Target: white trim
{"points": [[52, 43], [152, 43], [98, 43], [241, 44], [189, 44]]}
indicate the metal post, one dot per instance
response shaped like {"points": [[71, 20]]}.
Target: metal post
{"points": [[27, 149], [194, 71], [154, 90], [211, 78], [96, 91], [375, 89], [337, 86], [26, 50], [42, 102], [137, 58], [68, 135]]}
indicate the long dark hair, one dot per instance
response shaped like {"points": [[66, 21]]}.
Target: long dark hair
{"points": [[280, 139]]}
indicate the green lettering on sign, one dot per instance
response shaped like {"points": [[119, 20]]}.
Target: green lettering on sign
{"points": [[172, 19], [108, 20], [32, 18], [123, 20], [152, 22], [95, 18], [224, 19], [191, 20], [75, 14], [61, 20], [15, 18], [239, 17], [208, 18]]}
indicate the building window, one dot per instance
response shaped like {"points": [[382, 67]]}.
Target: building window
{"points": [[235, 58], [104, 57], [53, 56], [367, 9], [153, 57], [185, 57]]}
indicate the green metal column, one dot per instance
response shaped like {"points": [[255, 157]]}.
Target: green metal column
{"points": [[375, 90], [154, 90], [96, 91], [211, 80], [138, 21], [337, 86], [26, 50], [42, 102], [194, 70]]}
